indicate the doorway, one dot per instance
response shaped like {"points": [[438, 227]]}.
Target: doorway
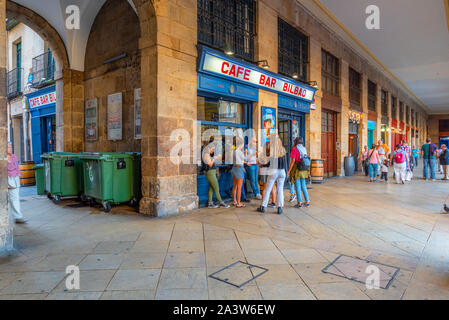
{"points": [[354, 143], [328, 141], [290, 126], [48, 129]]}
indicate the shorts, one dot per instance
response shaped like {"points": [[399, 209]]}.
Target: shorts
{"points": [[238, 173]]}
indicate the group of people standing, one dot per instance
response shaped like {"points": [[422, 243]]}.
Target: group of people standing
{"points": [[404, 159], [268, 167]]}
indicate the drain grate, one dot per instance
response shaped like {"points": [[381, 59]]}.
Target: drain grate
{"points": [[356, 269], [238, 273]]}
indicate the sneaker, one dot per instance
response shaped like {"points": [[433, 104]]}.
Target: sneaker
{"points": [[433, 180], [279, 210], [292, 197], [246, 200], [298, 205], [259, 196], [261, 209], [306, 205], [223, 205], [271, 205], [21, 220], [212, 205]]}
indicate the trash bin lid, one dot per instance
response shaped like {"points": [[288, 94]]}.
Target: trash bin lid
{"points": [[37, 166]]}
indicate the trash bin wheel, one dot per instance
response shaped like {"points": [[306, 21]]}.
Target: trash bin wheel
{"points": [[49, 195], [83, 198], [134, 203], [56, 199], [106, 206]]}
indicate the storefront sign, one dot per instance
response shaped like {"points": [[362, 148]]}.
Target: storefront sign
{"points": [[91, 124], [268, 123], [239, 71], [394, 123], [137, 122], [43, 100], [115, 116]]}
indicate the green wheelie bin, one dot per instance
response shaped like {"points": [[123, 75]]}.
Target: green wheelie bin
{"points": [[40, 178], [63, 175], [111, 178]]}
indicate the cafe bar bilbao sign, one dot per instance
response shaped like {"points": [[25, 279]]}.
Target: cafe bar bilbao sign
{"points": [[43, 100], [231, 69]]}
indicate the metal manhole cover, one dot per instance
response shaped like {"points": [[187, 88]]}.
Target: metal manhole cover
{"points": [[357, 270], [238, 273]]}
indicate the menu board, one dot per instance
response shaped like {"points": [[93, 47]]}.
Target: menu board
{"points": [[115, 116]]}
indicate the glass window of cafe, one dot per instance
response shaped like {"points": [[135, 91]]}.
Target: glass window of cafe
{"points": [[225, 116]]}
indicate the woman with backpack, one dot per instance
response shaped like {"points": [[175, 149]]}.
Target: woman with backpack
{"points": [[276, 174], [299, 171], [400, 159], [372, 160]]}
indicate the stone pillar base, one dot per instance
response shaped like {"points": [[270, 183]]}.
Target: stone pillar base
{"points": [[166, 207]]}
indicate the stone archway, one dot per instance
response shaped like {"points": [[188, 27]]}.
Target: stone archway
{"points": [[69, 106], [43, 29]]}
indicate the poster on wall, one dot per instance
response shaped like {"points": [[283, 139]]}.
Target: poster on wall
{"points": [[115, 116], [91, 124], [137, 122], [268, 123]]}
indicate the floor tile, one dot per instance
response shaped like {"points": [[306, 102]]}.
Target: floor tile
{"points": [[144, 279], [101, 261], [185, 260], [186, 278], [152, 260]]}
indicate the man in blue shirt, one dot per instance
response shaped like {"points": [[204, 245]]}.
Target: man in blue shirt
{"points": [[428, 155]]}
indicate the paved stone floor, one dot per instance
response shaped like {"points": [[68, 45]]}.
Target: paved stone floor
{"points": [[126, 256]]}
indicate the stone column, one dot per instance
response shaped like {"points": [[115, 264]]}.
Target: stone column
{"points": [[69, 110], [343, 119], [314, 123], [169, 102], [388, 134], [378, 132], [6, 235], [363, 130]]}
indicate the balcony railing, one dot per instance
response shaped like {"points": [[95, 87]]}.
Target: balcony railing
{"points": [[14, 81], [43, 70]]}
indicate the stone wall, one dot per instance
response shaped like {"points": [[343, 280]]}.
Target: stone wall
{"points": [[116, 30], [433, 124]]}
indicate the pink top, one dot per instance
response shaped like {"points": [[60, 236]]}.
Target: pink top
{"points": [[295, 154], [364, 155], [13, 166], [374, 155]]}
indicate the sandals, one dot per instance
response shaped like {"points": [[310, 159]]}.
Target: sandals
{"points": [[240, 206]]}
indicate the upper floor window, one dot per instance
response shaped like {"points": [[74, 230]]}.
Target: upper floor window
{"points": [[401, 111], [412, 115], [228, 25], [293, 51], [372, 96], [330, 74], [384, 102], [394, 107], [354, 87]]}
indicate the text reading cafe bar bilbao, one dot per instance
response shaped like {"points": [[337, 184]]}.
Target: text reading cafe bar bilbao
{"points": [[228, 95]]}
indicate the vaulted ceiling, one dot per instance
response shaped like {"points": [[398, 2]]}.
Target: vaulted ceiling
{"points": [[413, 42]]}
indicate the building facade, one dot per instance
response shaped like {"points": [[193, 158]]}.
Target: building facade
{"points": [[221, 64]]}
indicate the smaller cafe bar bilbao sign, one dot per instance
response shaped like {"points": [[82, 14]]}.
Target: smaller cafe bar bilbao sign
{"points": [[215, 63]]}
